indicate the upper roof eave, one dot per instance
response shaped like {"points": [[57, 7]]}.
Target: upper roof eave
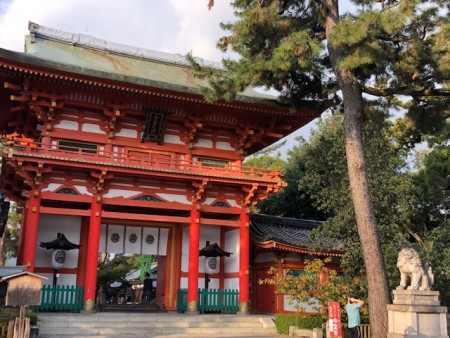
{"points": [[30, 63]]}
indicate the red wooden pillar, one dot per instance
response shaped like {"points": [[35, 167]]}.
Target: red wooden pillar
{"points": [[90, 279], [31, 230], [194, 241], [244, 251]]}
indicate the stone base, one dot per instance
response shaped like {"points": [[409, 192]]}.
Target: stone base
{"points": [[417, 314], [243, 308]]}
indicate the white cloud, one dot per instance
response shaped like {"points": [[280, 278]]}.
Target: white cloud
{"points": [[174, 26]]}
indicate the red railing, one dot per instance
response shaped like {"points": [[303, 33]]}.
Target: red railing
{"points": [[147, 161]]}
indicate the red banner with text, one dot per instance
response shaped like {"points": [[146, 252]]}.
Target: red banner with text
{"points": [[334, 316]]}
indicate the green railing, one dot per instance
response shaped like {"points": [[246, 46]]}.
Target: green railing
{"points": [[182, 300], [211, 300], [61, 298]]}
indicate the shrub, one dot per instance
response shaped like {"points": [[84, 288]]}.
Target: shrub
{"points": [[283, 321]]}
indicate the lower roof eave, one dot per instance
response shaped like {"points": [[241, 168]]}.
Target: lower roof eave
{"points": [[290, 248]]}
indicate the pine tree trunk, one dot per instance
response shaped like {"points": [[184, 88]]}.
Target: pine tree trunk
{"points": [[362, 202]]}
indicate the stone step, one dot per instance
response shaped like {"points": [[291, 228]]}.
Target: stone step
{"points": [[146, 324]]}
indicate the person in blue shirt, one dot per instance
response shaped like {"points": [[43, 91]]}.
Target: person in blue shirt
{"points": [[353, 309]]}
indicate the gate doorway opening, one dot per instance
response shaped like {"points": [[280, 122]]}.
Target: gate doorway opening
{"points": [[132, 267]]}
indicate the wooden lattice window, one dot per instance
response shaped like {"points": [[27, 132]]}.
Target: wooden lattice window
{"points": [[212, 162], [154, 125], [87, 148]]}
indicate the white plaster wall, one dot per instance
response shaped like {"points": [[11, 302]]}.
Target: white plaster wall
{"points": [[63, 279], [52, 187], [233, 203], [224, 146], [83, 190], [231, 283], [265, 257], [174, 139], [49, 226], [183, 283], [121, 193], [174, 198], [213, 283], [70, 125], [92, 128], [207, 233], [232, 245], [185, 250], [127, 133], [204, 143], [211, 234]]}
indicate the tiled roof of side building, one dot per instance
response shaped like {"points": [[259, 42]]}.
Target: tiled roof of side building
{"points": [[282, 229], [285, 231]]}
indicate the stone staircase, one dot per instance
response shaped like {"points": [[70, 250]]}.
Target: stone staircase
{"points": [[102, 324]]}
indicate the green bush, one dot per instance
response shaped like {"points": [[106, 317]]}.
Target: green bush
{"points": [[14, 313], [283, 321]]}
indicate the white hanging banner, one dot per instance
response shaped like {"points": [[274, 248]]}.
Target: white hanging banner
{"points": [[133, 240], [163, 238], [150, 241], [115, 239], [102, 242]]}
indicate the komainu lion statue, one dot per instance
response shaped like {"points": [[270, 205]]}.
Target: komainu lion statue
{"points": [[410, 265]]}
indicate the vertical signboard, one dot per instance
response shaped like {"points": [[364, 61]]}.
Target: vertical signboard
{"points": [[334, 315], [146, 265]]}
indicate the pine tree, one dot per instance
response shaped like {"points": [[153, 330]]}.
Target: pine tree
{"points": [[308, 51]]}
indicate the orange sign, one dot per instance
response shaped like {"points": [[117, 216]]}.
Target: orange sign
{"points": [[334, 316]]}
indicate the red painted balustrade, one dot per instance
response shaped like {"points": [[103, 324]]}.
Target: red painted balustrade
{"points": [[146, 160]]}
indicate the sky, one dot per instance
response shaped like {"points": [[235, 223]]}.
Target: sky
{"points": [[172, 26]]}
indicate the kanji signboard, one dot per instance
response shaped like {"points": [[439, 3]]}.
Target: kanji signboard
{"points": [[334, 316]]}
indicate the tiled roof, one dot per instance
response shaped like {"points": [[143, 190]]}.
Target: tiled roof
{"points": [[283, 230], [290, 234]]}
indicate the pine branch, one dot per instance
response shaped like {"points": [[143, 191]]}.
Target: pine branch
{"points": [[406, 90]]}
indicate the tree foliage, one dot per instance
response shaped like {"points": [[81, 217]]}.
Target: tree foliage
{"points": [[318, 285], [388, 48], [115, 270]]}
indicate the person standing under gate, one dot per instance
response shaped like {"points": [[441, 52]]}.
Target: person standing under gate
{"points": [[147, 291], [353, 309]]}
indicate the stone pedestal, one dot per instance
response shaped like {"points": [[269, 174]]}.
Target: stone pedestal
{"points": [[417, 314]]}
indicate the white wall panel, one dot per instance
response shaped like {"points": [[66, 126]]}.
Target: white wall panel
{"points": [[183, 283], [82, 189], [231, 283], [127, 133], [174, 198], [232, 245], [211, 234], [185, 250], [52, 187], [64, 124], [174, 139], [121, 193], [49, 226], [163, 238], [92, 128], [223, 145]]}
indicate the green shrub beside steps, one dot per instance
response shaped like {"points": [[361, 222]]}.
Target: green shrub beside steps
{"points": [[283, 321]]}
